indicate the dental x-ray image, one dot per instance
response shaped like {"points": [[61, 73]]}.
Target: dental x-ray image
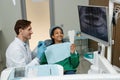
{"points": [[93, 21]]}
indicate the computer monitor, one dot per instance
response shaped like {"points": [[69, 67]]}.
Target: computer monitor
{"points": [[94, 23]]}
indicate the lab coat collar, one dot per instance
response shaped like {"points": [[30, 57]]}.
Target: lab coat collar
{"points": [[20, 41]]}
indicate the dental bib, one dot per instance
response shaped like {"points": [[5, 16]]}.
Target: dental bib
{"points": [[57, 52]]}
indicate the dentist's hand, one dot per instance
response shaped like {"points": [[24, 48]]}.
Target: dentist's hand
{"points": [[41, 48]]}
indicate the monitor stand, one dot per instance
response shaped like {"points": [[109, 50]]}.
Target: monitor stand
{"points": [[95, 67], [101, 49]]}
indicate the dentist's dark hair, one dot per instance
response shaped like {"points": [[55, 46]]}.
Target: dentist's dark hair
{"points": [[21, 24]]}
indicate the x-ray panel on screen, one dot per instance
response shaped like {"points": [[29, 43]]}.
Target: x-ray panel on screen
{"points": [[93, 23]]}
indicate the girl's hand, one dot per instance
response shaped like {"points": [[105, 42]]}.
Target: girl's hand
{"points": [[72, 48]]}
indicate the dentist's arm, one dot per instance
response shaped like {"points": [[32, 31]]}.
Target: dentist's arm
{"points": [[40, 50]]}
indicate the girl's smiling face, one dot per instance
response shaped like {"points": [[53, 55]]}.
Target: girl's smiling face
{"points": [[57, 35]]}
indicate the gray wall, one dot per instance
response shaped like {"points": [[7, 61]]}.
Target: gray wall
{"points": [[65, 13], [8, 16]]}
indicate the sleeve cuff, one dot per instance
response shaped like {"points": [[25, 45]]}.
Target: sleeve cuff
{"points": [[76, 52]]}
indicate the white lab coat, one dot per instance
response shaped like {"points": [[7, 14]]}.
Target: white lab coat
{"points": [[18, 55]]}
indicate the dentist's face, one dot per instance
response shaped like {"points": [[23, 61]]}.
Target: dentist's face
{"points": [[26, 33], [57, 35]]}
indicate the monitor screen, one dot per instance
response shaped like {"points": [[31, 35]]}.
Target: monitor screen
{"points": [[94, 23]]}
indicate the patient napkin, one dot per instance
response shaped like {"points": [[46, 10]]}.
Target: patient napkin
{"points": [[57, 52]]}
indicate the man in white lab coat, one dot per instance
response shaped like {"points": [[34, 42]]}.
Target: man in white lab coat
{"points": [[18, 52]]}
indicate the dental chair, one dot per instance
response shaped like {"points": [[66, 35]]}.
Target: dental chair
{"points": [[18, 73]]}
